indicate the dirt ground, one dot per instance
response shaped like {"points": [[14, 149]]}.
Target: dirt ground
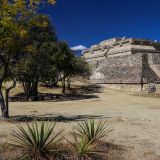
{"points": [[135, 119]]}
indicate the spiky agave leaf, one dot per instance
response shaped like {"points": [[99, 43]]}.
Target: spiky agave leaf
{"points": [[82, 148], [93, 131], [37, 141], [4, 146]]}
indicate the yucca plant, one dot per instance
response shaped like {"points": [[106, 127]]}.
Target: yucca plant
{"points": [[4, 147], [86, 136], [37, 141], [81, 147], [92, 131]]}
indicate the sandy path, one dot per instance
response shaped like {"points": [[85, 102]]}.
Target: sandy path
{"points": [[135, 119]]}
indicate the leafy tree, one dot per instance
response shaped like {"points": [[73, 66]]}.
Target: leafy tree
{"points": [[37, 59], [80, 68], [68, 65], [64, 63], [14, 17], [11, 33]]}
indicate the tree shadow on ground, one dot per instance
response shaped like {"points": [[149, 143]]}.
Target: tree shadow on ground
{"points": [[90, 89], [57, 118], [84, 92]]}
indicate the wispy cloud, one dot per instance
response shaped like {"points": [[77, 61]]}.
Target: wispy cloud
{"points": [[78, 48]]}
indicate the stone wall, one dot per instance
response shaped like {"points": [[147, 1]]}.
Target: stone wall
{"points": [[124, 61], [131, 87], [124, 87], [126, 69], [129, 60]]}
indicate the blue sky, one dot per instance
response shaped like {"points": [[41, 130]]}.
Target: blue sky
{"points": [[87, 22]]}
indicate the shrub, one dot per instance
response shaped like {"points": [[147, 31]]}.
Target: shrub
{"points": [[81, 147], [37, 141], [92, 131], [86, 136]]}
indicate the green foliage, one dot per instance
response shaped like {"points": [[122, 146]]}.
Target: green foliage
{"points": [[37, 141], [41, 142], [92, 131], [86, 136], [15, 24], [81, 147], [64, 58], [37, 60], [3, 147], [81, 67], [30, 51]]}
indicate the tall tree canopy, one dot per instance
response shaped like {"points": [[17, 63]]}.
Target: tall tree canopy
{"points": [[14, 29], [30, 52], [37, 58]]}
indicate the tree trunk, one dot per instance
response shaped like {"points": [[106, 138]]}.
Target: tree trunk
{"points": [[35, 89], [7, 106], [30, 89], [68, 82], [3, 105], [63, 85], [7, 96], [25, 90], [2, 101]]}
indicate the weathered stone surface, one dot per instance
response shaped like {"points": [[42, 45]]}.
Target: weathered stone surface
{"points": [[124, 61]]}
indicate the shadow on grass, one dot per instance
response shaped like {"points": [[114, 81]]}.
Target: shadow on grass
{"points": [[84, 92], [51, 117]]}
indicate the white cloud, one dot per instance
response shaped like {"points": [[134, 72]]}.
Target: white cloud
{"points": [[78, 48]]}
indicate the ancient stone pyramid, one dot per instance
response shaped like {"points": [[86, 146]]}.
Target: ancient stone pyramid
{"points": [[124, 61]]}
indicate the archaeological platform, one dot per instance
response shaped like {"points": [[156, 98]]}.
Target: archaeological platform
{"points": [[124, 62]]}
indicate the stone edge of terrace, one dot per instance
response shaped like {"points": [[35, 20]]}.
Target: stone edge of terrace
{"points": [[120, 42]]}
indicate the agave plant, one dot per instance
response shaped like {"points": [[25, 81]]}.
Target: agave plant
{"points": [[92, 131], [37, 141], [85, 137], [81, 147], [4, 147]]}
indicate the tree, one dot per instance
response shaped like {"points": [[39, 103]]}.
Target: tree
{"points": [[68, 65], [64, 63], [37, 59], [80, 68], [14, 17], [10, 35]]}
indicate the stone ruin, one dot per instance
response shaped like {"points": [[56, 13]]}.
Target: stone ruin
{"points": [[124, 62]]}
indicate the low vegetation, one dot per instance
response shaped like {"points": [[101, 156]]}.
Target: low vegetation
{"points": [[30, 52], [87, 135], [37, 141], [93, 131], [40, 142]]}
